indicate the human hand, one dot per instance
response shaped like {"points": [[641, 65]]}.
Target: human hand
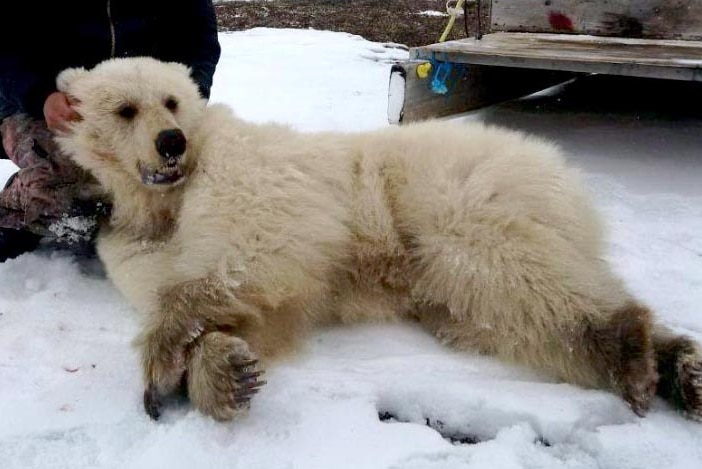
{"points": [[58, 112]]}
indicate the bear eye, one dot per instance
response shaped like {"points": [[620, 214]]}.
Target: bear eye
{"points": [[171, 104], [127, 111]]}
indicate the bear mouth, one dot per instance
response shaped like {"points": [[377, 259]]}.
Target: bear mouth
{"points": [[171, 173]]}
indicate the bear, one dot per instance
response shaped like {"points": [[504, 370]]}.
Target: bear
{"points": [[235, 239]]}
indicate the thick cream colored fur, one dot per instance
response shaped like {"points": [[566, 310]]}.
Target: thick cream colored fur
{"points": [[483, 235]]}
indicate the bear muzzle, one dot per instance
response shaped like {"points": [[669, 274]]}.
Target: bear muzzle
{"points": [[170, 145]]}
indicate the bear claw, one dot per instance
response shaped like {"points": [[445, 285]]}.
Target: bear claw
{"points": [[248, 382], [152, 402]]}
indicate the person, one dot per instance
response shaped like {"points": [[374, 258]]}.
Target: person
{"points": [[50, 198]]}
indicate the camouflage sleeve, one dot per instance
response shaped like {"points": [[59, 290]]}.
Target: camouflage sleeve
{"points": [[50, 195]]}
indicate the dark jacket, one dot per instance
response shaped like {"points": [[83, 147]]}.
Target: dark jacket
{"points": [[40, 38]]}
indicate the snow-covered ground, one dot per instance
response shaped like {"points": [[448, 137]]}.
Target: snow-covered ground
{"points": [[70, 392]]}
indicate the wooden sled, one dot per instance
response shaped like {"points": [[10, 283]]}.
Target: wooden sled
{"points": [[530, 45]]}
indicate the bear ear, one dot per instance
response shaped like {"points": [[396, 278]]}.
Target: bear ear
{"points": [[179, 67], [66, 79]]}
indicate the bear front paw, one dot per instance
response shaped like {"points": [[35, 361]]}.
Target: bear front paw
{"points": [[223, 375], [164, 361]]}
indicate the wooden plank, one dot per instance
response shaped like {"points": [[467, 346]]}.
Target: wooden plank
{"points": [[669, 59], [655, 19], [411, 99]]}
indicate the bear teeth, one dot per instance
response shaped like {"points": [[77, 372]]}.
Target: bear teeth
{"points": [[168, 175]]}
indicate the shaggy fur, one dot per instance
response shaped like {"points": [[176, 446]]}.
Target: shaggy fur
{"points": [[482, 235]]}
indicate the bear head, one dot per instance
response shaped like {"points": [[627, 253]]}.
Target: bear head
{"points": [[137, 117]]}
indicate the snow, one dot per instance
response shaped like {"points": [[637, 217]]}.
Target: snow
{"points": [[71, 391], [314, 80], [73, 229], [433, 13]]}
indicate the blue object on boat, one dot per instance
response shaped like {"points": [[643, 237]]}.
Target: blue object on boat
{"points": [[442, 72]]}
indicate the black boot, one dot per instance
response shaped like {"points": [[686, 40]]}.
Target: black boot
{"points": [[16, 242]]}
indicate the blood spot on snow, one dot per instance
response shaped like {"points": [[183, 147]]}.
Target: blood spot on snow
{"points": [[560, 22], [71, 370]]}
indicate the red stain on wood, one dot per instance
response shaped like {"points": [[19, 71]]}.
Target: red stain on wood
{"points": [[560, 22]]}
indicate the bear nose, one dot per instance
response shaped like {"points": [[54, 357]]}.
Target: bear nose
{"points": [[170, 143]]}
